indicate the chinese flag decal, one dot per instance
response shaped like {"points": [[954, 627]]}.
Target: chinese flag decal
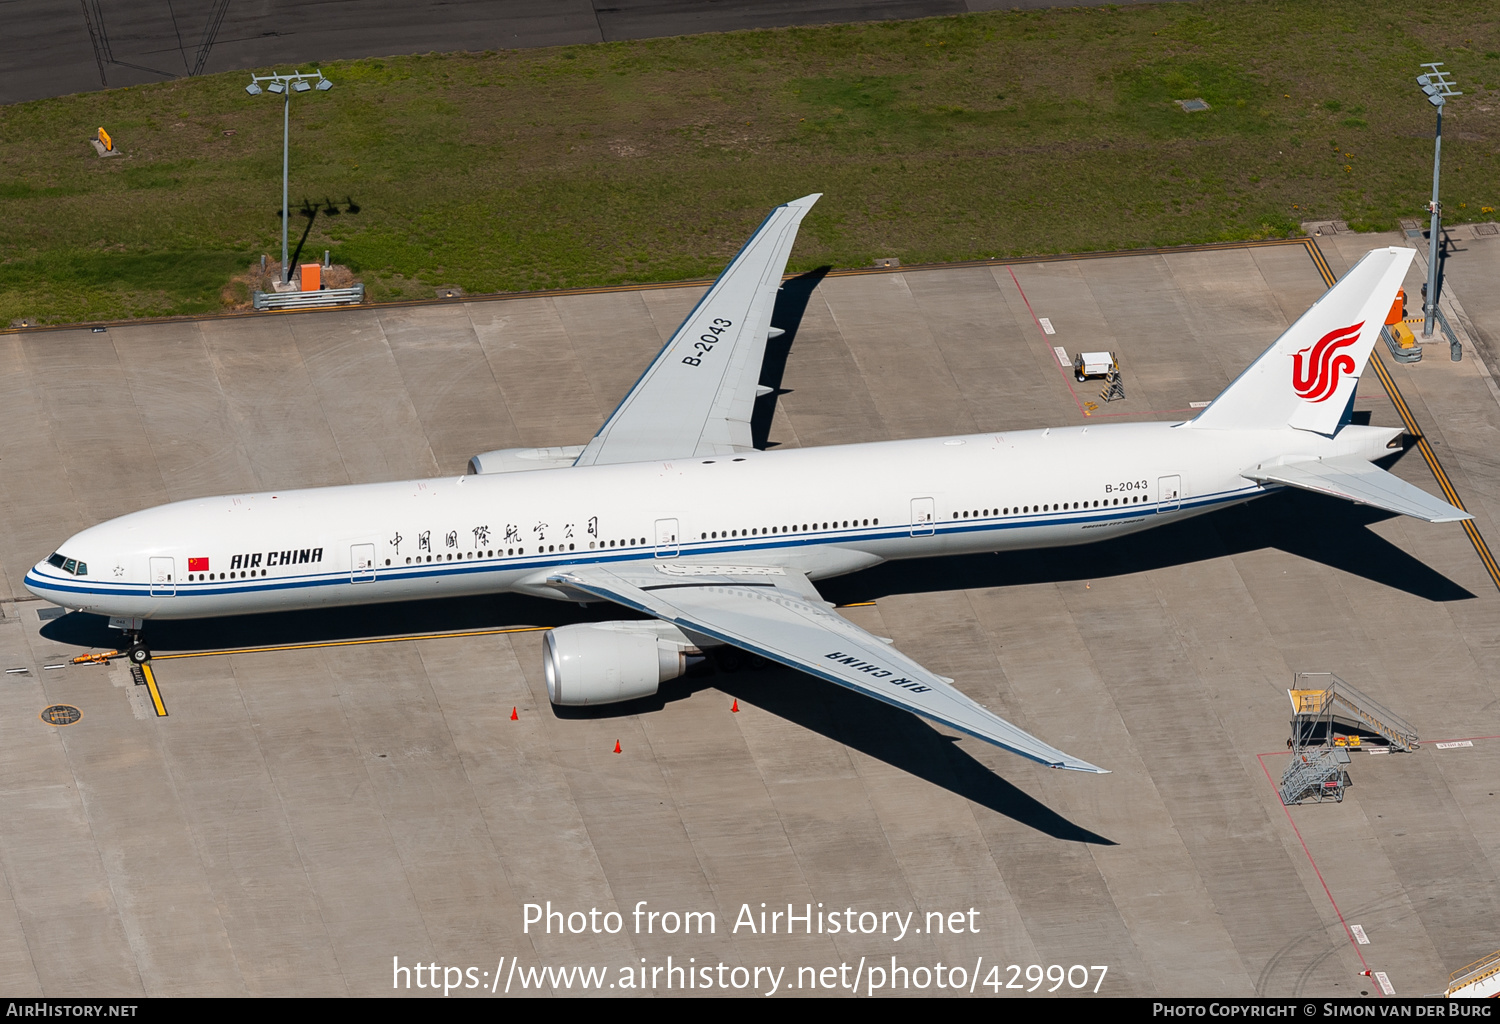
{"points": [[197, 565]]}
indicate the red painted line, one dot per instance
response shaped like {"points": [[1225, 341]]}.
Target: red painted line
{"points": [[1068, 377], [1332, 902], [1061, 369]]}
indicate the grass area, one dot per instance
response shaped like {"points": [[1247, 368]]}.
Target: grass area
{"points": [[949, 138]]}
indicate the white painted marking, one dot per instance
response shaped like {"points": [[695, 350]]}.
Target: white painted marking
{"points": [[1385, 983], [1456, 743], [1378, 750], [1359, 935], [1198, 405], [1062, 355], [1047, 327]]}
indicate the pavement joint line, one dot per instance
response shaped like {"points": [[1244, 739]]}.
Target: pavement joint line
{"points": [[1409, 421]]}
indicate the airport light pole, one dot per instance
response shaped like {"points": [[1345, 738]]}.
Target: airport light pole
{"points": [[1438, 88], [297, 81]]}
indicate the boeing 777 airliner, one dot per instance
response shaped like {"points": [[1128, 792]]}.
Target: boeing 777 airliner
{"points": [[672, 512]]}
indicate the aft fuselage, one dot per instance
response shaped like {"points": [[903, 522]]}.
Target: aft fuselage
{"points": [[825, 511]]}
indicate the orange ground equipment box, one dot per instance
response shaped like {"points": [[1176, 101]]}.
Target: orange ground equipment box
{"points": [[312, 277]]}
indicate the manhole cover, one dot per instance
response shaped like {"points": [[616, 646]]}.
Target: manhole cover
{"points": [[1486, 229], [61, 714], [1193, 105]]}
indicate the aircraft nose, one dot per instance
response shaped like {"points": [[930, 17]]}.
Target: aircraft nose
{"points": [[38, 581]]}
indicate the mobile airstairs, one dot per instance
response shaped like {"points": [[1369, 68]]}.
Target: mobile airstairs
{"points": [[1479, 980], [1329, 717]]}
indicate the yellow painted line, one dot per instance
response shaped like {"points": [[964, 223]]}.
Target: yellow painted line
{"points": [[156, 702], [1409, 422], [347, 643]]}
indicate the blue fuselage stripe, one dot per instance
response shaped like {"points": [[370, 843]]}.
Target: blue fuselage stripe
{"points": [[510, 565]]}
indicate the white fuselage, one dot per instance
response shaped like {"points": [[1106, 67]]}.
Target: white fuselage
{"points": [[822, 510]]}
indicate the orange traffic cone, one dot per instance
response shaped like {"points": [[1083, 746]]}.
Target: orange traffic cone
{"points": [[736, 708], [513, 716], [617, 746]]}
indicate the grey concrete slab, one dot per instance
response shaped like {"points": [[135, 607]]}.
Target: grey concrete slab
{"points": [[303, 816], [37, 498], [184, 412], [98, 446], [965, 312], [273, 406], [611, 369], [525, 342], [72, 930], [897, 356], [247, 847], [459, 404], [360, 390], [827, 399], [166, 906]]}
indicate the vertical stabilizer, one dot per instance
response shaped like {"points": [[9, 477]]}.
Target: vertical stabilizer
{"points": [[1307, 379]]}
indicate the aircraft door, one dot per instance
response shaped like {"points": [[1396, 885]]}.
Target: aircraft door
{"points": [[362, 563], [667, 544], [163, 577], [923, 515], [1169, 494]]}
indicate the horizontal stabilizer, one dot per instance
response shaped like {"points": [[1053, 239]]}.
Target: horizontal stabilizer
{"points": [[1353, 479]]}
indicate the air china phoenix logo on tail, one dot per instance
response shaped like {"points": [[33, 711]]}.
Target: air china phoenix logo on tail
{"points": [[1319, 376]]}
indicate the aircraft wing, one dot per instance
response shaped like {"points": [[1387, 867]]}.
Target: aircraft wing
{"points": [[1353, 479], [775, 613], [697, 396]]}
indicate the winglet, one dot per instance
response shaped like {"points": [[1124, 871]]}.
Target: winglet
{"points": [[698, 395]]}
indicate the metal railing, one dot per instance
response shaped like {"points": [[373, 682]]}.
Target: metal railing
{"points": [[309, 300], [1335, 696], [1316, 774], [1479, 970]]}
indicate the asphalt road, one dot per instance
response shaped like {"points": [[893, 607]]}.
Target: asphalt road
{"points": [[54, 49]]}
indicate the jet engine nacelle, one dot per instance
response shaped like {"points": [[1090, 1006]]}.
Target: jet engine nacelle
{"points": [[605, 662], [523, 460]]}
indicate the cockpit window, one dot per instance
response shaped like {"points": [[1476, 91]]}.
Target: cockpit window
{"points": [[69, 565]]}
